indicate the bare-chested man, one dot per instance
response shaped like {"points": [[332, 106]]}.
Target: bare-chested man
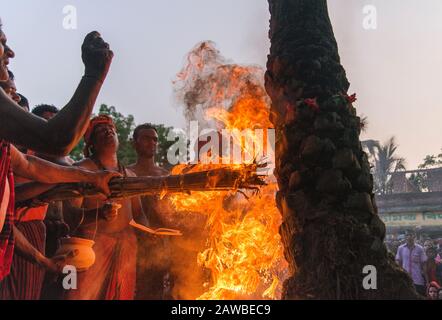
{"points": [[62, 133], [57, 136], [145, 142], [47, 174], [26, 278], [154, 252], [28, 236], [112, 277]]}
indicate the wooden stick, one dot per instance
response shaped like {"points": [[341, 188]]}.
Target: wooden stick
{"points": [[224, 179]]}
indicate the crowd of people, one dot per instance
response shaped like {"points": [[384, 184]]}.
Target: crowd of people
{"points": [[34, 149], [422, 260]]}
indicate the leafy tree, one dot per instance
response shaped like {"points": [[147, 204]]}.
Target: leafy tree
{"points": [[125, 126], [431, 161], [77, 153], [384, 161], [420, 179]]}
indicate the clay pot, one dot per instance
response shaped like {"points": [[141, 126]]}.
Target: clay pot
{"points": [[84, 256]]}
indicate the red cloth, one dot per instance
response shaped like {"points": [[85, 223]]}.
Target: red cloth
{"points": [[32, 214], [6, 236], [113, 275], [26, 278]]}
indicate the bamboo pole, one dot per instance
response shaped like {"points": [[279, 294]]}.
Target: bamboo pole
{"points": [[224, 179]]}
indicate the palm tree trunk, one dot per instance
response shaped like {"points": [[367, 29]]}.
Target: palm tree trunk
{"points": [[331, 228]]}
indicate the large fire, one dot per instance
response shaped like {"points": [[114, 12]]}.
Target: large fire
{"points": [[244, 252]]}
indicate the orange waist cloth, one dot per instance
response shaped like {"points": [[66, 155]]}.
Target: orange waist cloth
{"points": [[32, 214]]}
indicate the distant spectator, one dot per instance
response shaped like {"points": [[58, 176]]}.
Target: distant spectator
{"points": [[431, 266], [395, 246], [46, 111], [428, 244], [411, 257], [433, 291], [24, 103], [439, 249], [439, 294]]}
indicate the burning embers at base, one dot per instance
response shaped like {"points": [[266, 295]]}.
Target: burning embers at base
{"points": [[244, 252]]}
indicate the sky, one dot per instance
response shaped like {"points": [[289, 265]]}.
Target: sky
{"points": [[395, 69]]}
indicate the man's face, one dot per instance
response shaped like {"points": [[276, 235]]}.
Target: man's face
{"points": [[410, 238], [6, 53], [48, 115], [147, 143], [10, 89], [105, 136]]}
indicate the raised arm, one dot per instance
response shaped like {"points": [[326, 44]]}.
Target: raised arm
{"points": [[40, 170], [61, 134]]}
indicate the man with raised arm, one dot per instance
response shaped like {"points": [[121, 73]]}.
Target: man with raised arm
{"points": [[21, 128], [44, 136]]}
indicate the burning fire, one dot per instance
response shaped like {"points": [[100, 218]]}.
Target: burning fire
{"points": [[244, 251]]}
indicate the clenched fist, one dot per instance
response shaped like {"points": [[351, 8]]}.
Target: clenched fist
{"points": [[96, 55]]}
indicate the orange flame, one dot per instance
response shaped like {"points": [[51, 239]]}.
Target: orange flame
{"points": [[244, 251]]}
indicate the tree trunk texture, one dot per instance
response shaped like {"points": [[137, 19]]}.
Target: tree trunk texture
{"points": [[331, 229]]}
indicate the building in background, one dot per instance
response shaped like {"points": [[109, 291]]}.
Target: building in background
{"points": [[415, 201]]}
